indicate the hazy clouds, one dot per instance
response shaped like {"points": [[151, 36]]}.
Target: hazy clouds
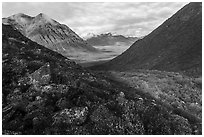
{"points": [[131, 19]]}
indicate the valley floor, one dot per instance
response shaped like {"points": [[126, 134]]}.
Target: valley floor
{"points": [[92, 63], [105, 53]]}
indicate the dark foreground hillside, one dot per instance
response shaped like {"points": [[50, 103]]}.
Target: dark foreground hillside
{"points": [[176, 46], [46, 93]]}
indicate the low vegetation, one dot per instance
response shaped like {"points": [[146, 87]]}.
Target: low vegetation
{"points": [[177, 90]]}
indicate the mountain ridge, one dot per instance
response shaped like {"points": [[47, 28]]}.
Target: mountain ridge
{"points": [[49, 33], [110, 39]]}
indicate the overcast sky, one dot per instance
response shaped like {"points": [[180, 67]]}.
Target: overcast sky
{"points": [[129, 19]]}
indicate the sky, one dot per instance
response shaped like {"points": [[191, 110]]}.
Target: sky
{"points": [[85, 18]]}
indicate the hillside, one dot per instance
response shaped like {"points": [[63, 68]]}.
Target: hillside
{"points": [[176, 46], [45, 93], [49, 33], [109, 39]]}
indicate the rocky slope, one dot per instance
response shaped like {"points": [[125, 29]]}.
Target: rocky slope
{"points": [[49, 33], [176, 45], [109, 39], [43, 92]]}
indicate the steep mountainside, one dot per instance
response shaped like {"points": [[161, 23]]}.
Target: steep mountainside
{"points": [[43, 92], [109, 39], [49, 33], [176, 45]]}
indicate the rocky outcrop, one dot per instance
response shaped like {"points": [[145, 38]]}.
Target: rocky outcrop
{"points": [[73, 116]]}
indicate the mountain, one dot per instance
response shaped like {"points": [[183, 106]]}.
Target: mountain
{"points": [[49, 33], [109, 39], [45, 93], [176, 45], [89, 35]]}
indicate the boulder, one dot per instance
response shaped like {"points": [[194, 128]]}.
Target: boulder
{"points": [[41, 76], [73, 116]]}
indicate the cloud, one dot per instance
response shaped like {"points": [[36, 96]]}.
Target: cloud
{"points": [[130, 19]]}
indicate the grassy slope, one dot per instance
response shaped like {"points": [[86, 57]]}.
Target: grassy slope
{"points": [[176, 90]]}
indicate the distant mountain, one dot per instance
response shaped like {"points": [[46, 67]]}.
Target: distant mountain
{"points": [[49, 33], [89, 35], [176, 45], [109, 39], [44, 93]]}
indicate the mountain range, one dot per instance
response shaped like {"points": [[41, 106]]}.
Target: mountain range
{"points": [[176, 45], [110, 39], [49, 33]]}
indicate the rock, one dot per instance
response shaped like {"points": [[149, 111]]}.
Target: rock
{"points": [[38, 98], [121, 99], [73, 116], [41, 76], [139, 105], [47, 88], [38, 78], [23, 81], [56, 90]]}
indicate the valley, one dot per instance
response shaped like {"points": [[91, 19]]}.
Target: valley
{"points": [[109, 47], [105, 53]]}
